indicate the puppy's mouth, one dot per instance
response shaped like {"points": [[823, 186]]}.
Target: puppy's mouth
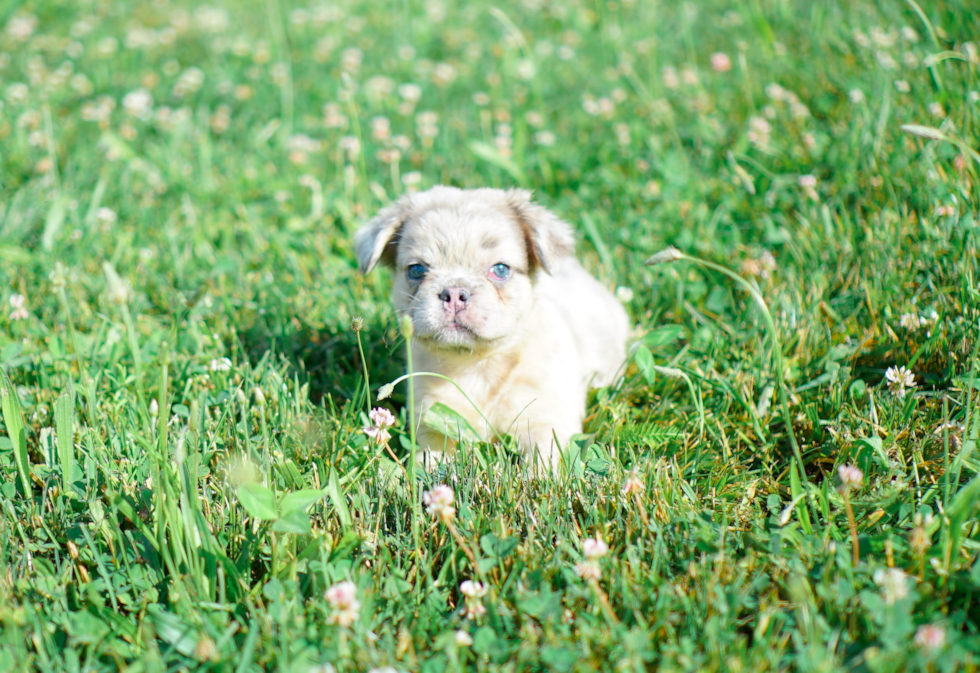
{"points": [[454, 333]]}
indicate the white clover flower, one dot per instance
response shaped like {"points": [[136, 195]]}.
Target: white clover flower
{"points": [[350, 59], [379, 86], [776, 92], [900, 380], [382, 419], [411, 93], [594, 548], [20, 28], [885, 39], [301, 142], [472, 589], [343, 599], [588, 570], [720, 62], [689, 75], [759, 132], [118, 290], [909, 321], [850, 477], [106, 216], [411, 180], [473, 593], [624, 294], [463, 639], [211, 19], [855, 96], [622, 132], [439, 502], [544, 138], [350, 145], [443, 74], [220, 365], [17, 93], [426, 119], [380, 128], [633, 484], [894, 584], [333, 118], [930, 637], [18, 310]]}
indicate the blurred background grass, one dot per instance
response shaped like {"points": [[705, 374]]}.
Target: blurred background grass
{"points": [[178, 192]]}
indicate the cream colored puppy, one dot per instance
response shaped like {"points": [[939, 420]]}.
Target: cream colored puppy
{"points": [[501, 307]]}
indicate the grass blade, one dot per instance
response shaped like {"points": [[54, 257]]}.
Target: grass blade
{"points": [[13, 419], [64, 420]]}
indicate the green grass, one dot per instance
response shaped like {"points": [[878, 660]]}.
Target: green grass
{"points": [[159, 513]]}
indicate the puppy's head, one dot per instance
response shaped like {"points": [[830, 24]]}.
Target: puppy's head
{"points": [[465, 261]]}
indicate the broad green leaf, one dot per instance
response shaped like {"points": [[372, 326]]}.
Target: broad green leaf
{"points": [[345, 546], [796, 490], [540, 603], [338, 500], [644, 360], [53, 223], [663, 336], [64, 420], [258, 501], [13, 419], [450, 423], [301, 500], [963, 505], [297, 521], [171, 629], [497, 548], [48, 446]]}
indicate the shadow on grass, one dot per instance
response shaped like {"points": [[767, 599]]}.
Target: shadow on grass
{"points": [[328, 358]]}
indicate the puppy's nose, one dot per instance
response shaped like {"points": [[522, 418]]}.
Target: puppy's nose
{"points": [[454, 298]]}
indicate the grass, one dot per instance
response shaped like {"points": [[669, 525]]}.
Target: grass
{"points": [[184, 467]]}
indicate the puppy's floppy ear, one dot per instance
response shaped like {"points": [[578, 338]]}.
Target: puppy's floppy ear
{"points": [[374, 241], [548, 238]]}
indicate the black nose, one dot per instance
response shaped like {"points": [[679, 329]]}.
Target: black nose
{"points": [[454, 298]]}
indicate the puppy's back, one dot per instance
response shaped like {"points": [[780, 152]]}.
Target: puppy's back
{"points": [[595, 318]]}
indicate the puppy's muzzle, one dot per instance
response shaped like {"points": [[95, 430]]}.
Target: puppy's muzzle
{"points": [[454, 299]]}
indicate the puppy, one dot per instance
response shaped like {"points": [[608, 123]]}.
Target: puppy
{"points": [[500, 307]]}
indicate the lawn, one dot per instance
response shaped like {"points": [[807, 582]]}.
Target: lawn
{"points": [[785, 478]]}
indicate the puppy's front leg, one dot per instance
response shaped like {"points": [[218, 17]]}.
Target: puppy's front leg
{"points": [[544, 443]]}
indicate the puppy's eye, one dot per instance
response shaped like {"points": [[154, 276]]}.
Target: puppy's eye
{"points": [[499, 272], [416, 271]]}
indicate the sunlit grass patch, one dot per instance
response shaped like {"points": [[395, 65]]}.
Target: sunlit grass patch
{"points": [[191, 358]]}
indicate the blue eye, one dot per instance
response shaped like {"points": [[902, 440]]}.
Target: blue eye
{"points": [[416, 271], [500, 272]]}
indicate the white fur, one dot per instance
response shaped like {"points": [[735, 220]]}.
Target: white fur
{"points": [[524, 350]]}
